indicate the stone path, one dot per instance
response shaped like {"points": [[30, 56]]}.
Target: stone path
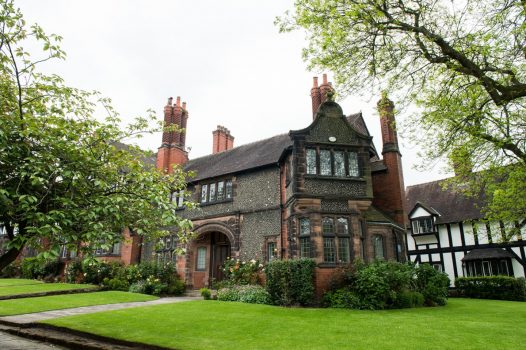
{"points": [[46, 315], [12, 342]]}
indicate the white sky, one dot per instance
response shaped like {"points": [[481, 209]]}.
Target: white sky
{"points": [[225, 58]]}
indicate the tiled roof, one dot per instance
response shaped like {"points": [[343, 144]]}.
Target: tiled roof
{"points": [[487, 253], [451, 205], [245, 157]]}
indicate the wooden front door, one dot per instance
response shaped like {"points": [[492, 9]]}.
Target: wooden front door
{"points": [[220, 250]]}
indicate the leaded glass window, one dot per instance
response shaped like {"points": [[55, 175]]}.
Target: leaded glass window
{"points": [[311, 161], [328, 225], [204, 193], [378, 246], [220, 190], [325, 162], [339, 164], [354, 169], [304, 227], [343, 253], [271, 251], [228, 189], [342, 226], [329, 252], [201, 259], [305, 247], [212, 192]]}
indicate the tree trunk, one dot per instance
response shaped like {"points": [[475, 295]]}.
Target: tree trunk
{"points": [[9, 256]]}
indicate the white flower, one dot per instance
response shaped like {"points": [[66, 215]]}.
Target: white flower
{"points": [[260, 265], [252, 261]]}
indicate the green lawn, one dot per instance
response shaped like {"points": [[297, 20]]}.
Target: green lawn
{"points": [[13, 286], [55, 302], [462, 324]]}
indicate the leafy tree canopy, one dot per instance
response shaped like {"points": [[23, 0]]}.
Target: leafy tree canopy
{"points": [[65, 177], [462, 63]]}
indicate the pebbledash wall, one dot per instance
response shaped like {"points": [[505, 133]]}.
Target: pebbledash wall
{"points": [[321, 192], [448, 231]]}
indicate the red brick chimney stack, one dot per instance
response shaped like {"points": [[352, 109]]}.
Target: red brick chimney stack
{"points": [[222, 140], [319, 93], [316, 96], [389, 190], [172, 150]]}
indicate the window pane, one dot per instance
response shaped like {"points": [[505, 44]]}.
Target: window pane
{"points": [[325, 162], [305, 247], [181, 199], [339, 164], [204, 193], [305, 227], [378, 245], [311, 161], [354, 169], [220, 190], [201, 258], [342, 226], [344, 250], [329, 254], [212, 192], [271, 250], [228, 190], [328, 225]]}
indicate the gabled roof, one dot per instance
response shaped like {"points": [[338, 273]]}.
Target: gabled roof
{"points": [[430, 210], [252, 155], [452, 205]]}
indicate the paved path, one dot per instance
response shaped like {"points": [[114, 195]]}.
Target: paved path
{"points": [[46, 315], [12, 342]]}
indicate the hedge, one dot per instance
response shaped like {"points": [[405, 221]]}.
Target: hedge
{"points": [[291, 282], [492, 287]]}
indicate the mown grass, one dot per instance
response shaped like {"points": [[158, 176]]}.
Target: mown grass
{"points": [[462, 324], [56, 302], [13, 286]]}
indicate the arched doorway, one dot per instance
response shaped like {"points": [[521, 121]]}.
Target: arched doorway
{"points": [[210, 250]]}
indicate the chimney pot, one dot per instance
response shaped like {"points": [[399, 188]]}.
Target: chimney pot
{"points": [[184, 105], [178, 101], [314, 82], [170, 99], [324, 78]]}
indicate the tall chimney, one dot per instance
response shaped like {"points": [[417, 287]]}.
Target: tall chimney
{"points": [[222, 140], [325, 87], [316, 96]]}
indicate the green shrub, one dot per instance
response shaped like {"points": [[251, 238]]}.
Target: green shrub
{"points": [[238, 272], [138, 287], [116, 284], [492, 287], [341, 298], [37, 268], [409, 299], [253, 294], [432, 284], [205, 293], [291, 282], [175, 287], [12, 270]]}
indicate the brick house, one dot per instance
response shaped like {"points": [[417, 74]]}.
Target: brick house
{"points": [[321, 192]]}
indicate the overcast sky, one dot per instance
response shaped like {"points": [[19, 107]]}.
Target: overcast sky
{"points": [[225, 58]]}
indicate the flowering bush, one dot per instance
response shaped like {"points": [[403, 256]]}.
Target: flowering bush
{"points": [[238, 272], [252, 294]]}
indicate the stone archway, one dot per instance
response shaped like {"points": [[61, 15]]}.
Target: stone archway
{"points": [[208, 252]]}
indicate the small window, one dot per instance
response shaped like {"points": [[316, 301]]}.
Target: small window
{"points": [[354, 169], [328, 226], [304, 227], [325, 162], [344, 250], [204, 193], [201, 259], [422, 225], [342, 226], [228, 190], [311, 161], [329, 253], [305, 247], [339, 164], [378, 246], [271, 251], [212, 192], [220, 190]]}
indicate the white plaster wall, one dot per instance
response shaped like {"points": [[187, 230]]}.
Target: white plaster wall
{"points": [[482, 233], [455, 235], [469, 238], [420, 212], [442, 235], [410, 242], [428, 239], [435, 257], [424, 258], [448, 268], [518, 270]]}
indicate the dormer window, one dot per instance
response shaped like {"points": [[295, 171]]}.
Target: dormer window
{"points": [[422, 225]]}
